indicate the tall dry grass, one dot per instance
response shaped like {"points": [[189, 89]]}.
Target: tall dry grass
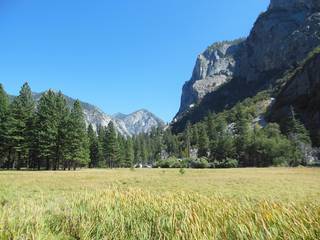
{"points": [[127, 212]]}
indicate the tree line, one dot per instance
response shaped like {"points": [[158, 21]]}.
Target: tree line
{"points": [[233, 138], [44, 135], [50, 134]]}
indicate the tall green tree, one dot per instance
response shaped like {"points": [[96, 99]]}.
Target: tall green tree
{"points": [[187, 140], [111, 146], [22, 119], [47, 125], [63, 119], [222, 144], [4, 131], [77, 135], [203, 142], [129, 153], [93, 147], [242, 132], [300, 137]]}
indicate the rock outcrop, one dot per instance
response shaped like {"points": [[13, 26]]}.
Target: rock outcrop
{"points": [[213, 68], [141, 121], [226, 73]]}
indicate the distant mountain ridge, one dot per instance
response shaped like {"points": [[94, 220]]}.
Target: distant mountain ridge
{"points": [[141, 121]]}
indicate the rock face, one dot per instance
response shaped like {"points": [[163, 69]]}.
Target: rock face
{"points": [[213, 67], [141, 121], [229, 72], [289, 4], [302, 93], [280, 39]]}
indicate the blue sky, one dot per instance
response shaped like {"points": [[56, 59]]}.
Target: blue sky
{"points": [[121, 55]]}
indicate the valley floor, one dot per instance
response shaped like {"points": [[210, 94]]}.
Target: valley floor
{"points": [[272, 203]]}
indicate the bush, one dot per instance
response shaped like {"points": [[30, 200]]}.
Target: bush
{"points": [[227, 163], [230, 163], [169, 163], [199, 163]]}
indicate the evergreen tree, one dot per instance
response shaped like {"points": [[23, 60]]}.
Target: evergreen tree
{"points": [[47, 130], [129, 153], [195, 136], [242, 132], [62, 118], [222, 145], [101, 131], [137, 151], [187, 140], [111, 146], [203, 142], [122, 150], [144, 151], [93, 147], [4, 131], [22, 117], [78, 141], [296, 130], [300, 137], [210, 125]]}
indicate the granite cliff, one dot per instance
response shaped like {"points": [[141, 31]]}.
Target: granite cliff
{"points": [[230, 71]]}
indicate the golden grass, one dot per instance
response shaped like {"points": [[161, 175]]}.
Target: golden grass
{"points": [[274, 203]]}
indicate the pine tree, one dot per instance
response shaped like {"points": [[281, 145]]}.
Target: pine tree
{"points": [[77, 135], [187, 140], [61, 116], [222, 143], [242, 132], [22, 117], [195, 136], [300, 137], [47, 125], [111, 146], [129, 154], [210, 125], [296, 130], [144, 150], [93, 147], [122, 150], [137, 151], [203, 142], [4, 111]]}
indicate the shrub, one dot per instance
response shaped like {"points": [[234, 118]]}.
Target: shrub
{"points": [[230, 163], [169, 163], [199, 163], [227, 163]]}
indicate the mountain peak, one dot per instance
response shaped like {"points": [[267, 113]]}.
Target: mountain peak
{"points": [[140, 121]]}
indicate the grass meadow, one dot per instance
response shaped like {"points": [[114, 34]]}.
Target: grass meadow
{"points": [[272, 203]]}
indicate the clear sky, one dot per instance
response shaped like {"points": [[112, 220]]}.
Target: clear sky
{"points": [[121, 55]]}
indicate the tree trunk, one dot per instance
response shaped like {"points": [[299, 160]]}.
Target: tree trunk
{"points": [[19, 161]]}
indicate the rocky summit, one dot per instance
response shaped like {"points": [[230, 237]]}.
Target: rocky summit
{"points": [[228, 72], [141, 121]]}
